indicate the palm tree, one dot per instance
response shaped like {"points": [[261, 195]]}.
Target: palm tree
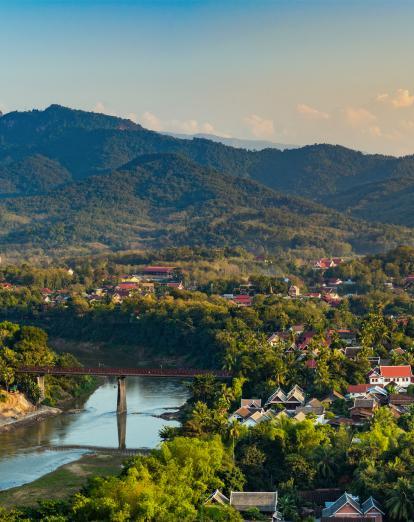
{"points": [[400, 502], [234, 433], [326, 463]]}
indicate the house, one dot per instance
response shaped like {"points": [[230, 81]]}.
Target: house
{"points": [[249, 413], [278, 397], [372, 510], [292, 400], [126, 287], [332, 299], [297, 329], [311, 364], [333, 282], [402, 400], [251, 403], [130, 279], [299, 416], [325, 262], [217, 498], [264, 501], [400, 375], [313, 295], [178, 285], [159, 273], [349, 506], [304, 340], [294, 291], [351, 352], [257, 417], [278, 337], [363, 408], [332, 397], [242, 300], [241, 414], [358, 390], [313, 406]]}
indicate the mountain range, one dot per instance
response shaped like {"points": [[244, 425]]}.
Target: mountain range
{"points": [[77, 180], [238, 143]]}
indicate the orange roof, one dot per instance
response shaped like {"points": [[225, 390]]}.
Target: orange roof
{"points": [[159, 269], [396, 371], [358, 388]]}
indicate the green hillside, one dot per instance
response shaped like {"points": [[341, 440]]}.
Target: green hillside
{"points": [[168, 200]]}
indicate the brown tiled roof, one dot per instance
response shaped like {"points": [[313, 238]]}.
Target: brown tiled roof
{"points": [[265, 501]]}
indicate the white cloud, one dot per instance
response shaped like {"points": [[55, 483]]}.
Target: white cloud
{"points": [[260, 127], [358, 116], [151, 122], [132, 116], [382, 97], [311, 113], [401, 99], [186, 126], [101, 108]]}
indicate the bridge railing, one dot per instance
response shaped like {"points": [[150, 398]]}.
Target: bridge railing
{"points": [[124, 372]]}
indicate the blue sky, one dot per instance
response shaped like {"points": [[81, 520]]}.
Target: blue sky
{"points": [[289, 71]]}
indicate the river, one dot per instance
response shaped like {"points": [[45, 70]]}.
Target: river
{"points": [[24, 453]]}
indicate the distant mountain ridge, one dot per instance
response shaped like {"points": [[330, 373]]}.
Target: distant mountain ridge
{"points": [[47, 155], [238, 143]]}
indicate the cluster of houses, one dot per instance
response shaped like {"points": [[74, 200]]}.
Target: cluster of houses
{"points": [[324, 263], [146, 282], [387, 386], [345, 507], [291, 404]]}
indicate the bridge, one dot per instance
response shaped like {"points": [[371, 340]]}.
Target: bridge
{"points": [[120, 373]]}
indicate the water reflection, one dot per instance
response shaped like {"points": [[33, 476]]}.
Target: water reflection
{"points": [[23, 451]]}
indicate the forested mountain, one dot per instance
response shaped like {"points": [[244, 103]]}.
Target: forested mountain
{"points": [[168, 200], [70, 177], [88, 143], [387, 201]]}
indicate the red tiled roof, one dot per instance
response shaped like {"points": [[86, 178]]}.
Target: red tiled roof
{"points": [[127, 286], [358, 388], [164, 269], [396, 371]]}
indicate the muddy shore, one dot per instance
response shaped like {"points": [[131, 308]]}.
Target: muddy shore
{"points": [[8, 424]]}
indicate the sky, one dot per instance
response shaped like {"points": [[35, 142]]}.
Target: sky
{"points": [[288, 71]]}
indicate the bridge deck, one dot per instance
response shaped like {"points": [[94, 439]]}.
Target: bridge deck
{"points": [[121, 372]]}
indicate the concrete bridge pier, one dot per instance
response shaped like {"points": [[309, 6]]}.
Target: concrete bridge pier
{"points": [[41, 384], [121, 419], [121, 406]]}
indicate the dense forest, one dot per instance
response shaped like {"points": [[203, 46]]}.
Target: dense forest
{"points": [[171, 201]]}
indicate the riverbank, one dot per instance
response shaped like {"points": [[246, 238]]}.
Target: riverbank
{"points": [[43, 412], [62, 482]]}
